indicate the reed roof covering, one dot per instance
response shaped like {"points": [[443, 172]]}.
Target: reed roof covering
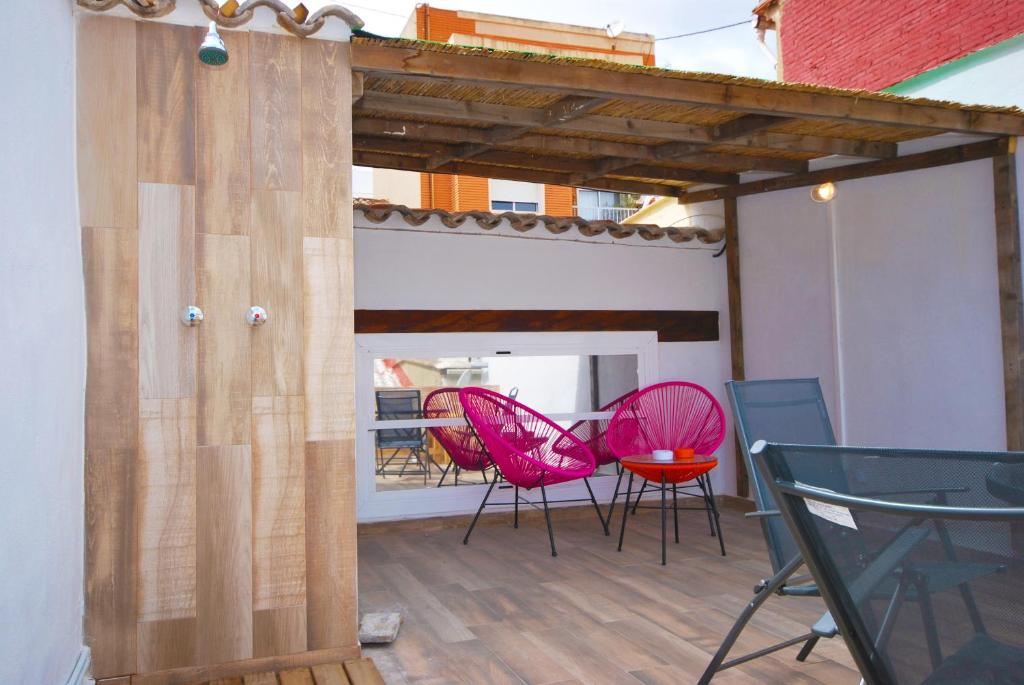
{"points": [[425, 106]]}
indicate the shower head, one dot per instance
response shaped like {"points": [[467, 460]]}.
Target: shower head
{"points": [[213, 51]]}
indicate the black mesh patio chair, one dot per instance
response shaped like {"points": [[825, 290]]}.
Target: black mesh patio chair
{"points": [[406, 445], [953, 555], [794, 411]]}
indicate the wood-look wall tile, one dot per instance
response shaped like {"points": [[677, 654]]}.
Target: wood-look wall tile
{"points": [[110, 560], [279, 631], [277, 287], [331, 544], [329, 348], [107, 176], [167, 284], [111, 264], [165, 63], [276, 114], [224, 554], [225, 396], [166, 509], [279, 503], [222, 140], [166, 644], [326, 139]]}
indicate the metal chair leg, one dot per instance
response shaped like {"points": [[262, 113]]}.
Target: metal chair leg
{"points": [[675, 509], [515, 519], [805, 651], [714, 510], [664, 513], [707, 507], [547, 517], [597, 507], [769, 588], [643, 486], [615, 495], [472, 525], [445, 473], [625, 509]]}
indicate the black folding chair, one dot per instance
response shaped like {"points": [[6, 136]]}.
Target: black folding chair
{"points": [[794, 411], [953, 555], [393, 405], [786, 410]]}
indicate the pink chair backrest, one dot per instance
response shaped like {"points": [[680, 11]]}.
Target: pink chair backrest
{"points": [[459, 441], [592, 432], [667, 416], [525, 445]]}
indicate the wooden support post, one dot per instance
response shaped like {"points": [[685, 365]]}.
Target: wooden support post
{"points": [[1010, 297], [732, 265]]}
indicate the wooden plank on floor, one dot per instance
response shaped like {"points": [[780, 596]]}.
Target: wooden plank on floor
{"points": [[107, 177], [331, 544], [330, 674], [260, 679], [166, 510], [222, 140], [277, 287], [326, 139], [279, 505], [362, 672], [329, 349], [224, 554], [167, 284], [225, 376], [276, 132], [296, 676], [165, 59]]}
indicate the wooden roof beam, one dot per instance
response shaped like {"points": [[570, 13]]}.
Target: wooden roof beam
{"points": [[921, 160], [506, 115], [394, 161], [558, 113], [767, 98]]}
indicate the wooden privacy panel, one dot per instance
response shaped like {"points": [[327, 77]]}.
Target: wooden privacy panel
{"points": [[220, 512]]}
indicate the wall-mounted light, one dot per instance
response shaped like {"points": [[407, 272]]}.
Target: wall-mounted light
{"points": [[212, 51], [824, 192]]}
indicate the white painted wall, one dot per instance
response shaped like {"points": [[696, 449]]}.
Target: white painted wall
{"points": [[397, 187], [402, 268], [43, 343], [910, 295]]}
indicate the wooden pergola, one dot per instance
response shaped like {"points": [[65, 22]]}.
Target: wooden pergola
{"points": [[439, 108]]}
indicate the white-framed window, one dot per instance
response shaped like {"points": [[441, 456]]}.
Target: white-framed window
{"points": [[512, 206], [565, 376], [516, 196]]}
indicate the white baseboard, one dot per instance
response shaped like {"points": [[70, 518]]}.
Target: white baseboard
{"points": [[80, 674]]}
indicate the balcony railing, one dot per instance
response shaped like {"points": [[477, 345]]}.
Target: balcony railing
{"points": [[605, 213]]}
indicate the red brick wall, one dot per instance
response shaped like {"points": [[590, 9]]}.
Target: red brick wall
{"points": [[874, 44]]}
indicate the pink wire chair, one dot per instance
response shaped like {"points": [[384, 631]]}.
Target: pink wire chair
{"points": [[460, 442], [527, 449], [592, 433], [671, 415]]}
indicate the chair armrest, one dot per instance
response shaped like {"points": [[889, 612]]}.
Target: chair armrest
{"points": [[761, 514], [911, 491]]}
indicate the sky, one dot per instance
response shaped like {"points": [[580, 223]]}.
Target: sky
{"points": [[728, 51], [731, 51]]}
